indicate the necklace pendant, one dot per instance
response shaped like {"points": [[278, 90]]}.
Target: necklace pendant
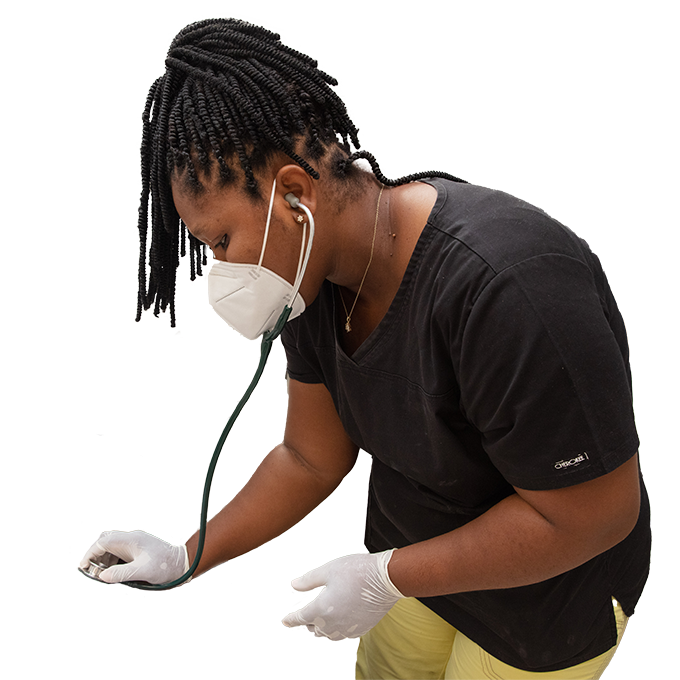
{"points": [[348, 328]]}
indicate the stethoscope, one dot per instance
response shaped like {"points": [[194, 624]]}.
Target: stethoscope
{"points": [[95, 568]]}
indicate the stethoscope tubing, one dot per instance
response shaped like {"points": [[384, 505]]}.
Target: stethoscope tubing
{"points": [[265, 348]]}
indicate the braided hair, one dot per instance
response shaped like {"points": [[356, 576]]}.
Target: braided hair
{"points": [[231, 97]]}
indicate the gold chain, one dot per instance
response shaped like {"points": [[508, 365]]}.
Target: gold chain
{"points": [[348, 325]]}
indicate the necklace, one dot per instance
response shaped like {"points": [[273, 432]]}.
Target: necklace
{"points": [[348, 325]]}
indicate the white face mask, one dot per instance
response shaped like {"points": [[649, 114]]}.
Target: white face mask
{"points": [[250, 297]]}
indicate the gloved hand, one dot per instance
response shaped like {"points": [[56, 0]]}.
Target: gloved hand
{"points": [[147, 557], [357, 595]]}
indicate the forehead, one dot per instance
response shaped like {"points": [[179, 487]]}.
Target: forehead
{"points": [[212, 209]]}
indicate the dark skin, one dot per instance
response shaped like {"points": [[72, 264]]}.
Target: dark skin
{"points": [[528, 537], [342, 245]]}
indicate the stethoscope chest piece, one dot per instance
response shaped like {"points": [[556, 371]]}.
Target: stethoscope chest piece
{"points": [[94, 569]]}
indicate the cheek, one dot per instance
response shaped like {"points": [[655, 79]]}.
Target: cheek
{"points": [[283, 250], [244, 246]]}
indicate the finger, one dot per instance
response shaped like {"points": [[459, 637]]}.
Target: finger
{"points": [[119, 543], [95, 552], [302, 617], [312, 579], [122, 545]]}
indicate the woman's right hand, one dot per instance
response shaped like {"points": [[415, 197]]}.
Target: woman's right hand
{"points": [[146, 558]]}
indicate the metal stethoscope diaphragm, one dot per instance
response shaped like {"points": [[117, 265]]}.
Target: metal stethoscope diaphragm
{"points": [[94, 569]]}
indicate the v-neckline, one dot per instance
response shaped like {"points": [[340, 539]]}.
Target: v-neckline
{"points": [[385, 325]]}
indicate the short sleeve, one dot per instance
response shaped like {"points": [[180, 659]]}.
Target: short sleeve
{"points": [[544, 378], [297, 367]]}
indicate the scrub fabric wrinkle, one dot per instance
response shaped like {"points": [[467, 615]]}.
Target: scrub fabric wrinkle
{"points": [[501, 361]]}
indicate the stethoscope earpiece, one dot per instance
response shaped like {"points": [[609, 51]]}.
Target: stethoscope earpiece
{"points": [[292, 199]]}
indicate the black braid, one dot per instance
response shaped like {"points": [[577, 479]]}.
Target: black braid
{"points": [[231, 94], [395, 182]]}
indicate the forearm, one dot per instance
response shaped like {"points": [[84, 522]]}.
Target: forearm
{"points": [[511, 545], [282, 491]]}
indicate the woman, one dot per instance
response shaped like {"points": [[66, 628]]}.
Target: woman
{"points": [[465, 339]]}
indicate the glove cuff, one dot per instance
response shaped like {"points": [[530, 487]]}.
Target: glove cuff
{"points": [[186, 564], [383, 560]]}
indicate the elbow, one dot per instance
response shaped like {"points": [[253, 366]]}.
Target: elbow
{"points": [[616, 511], [596, 536], [625, 520], [617, 524], [575, 548], [629, 505]]}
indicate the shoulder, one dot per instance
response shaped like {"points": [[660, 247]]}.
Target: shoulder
{"points": [[498, 228]]}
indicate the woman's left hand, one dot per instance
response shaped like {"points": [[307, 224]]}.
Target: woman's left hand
{"points": [[358, 593]]}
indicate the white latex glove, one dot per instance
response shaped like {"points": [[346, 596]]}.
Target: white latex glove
{"points": [[147, 558], [357, 595]]}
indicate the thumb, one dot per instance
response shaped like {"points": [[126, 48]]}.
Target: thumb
{"points": [[312, 579], [117, 574], [296, 619]]}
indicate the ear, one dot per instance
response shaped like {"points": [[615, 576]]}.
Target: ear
{"points": [[293, 179]]}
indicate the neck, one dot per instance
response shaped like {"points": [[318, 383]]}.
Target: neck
{"points": [[342, 247], [360, 239]]}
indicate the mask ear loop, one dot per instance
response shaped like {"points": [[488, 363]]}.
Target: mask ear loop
{"points": [[266, 229]]}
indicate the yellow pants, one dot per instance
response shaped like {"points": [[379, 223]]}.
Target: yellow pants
{"points": [[413, 643]]}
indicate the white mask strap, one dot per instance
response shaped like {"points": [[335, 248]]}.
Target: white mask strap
{"points": [[266, 229], [302, 262]]}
